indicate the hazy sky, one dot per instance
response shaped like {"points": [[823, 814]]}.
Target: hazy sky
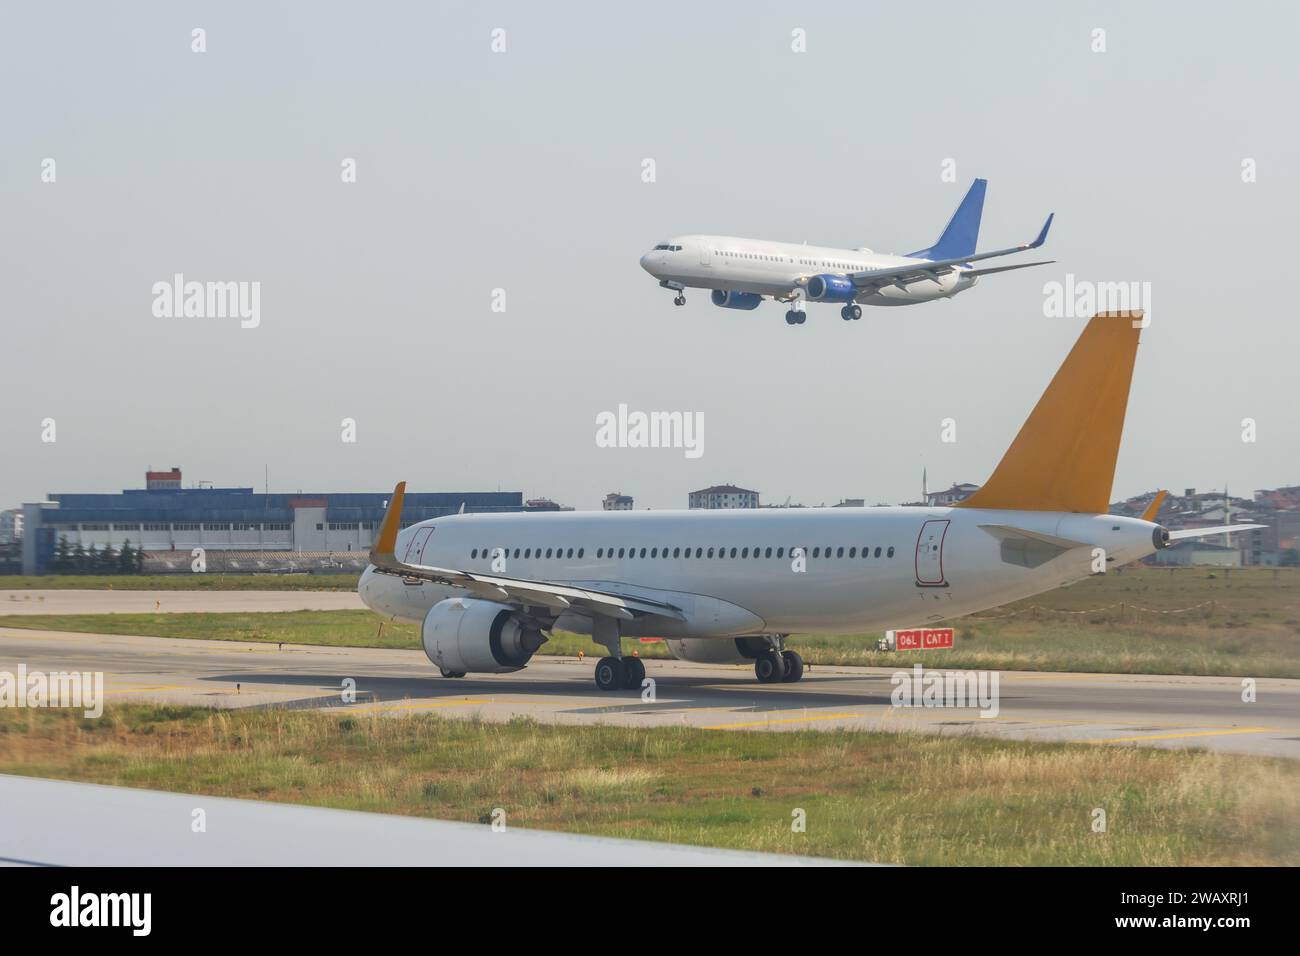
{"points": [[522, 171]]}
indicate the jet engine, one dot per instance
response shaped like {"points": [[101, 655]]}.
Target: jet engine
{"points": [[717, 650], [831, 288], [736, 300], [461, 635]]}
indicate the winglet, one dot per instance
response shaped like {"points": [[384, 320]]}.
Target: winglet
{"points": [[1153, 509], [392, 523], [1042, 236], [1063, 459]]}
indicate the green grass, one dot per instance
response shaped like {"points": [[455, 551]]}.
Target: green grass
{"points": [[886, 797], [1249, 625], [181, 582]]}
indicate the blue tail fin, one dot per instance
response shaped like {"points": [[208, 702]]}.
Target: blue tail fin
{"points": [[963, 229]]}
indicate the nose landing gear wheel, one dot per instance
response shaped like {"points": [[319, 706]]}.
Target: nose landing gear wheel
{"points": [[769, 668], [610, 674], [794, 317], [679, 299], [793, 666], [635, 668]]}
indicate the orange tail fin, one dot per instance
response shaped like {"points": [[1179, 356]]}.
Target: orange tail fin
{"points": [[1063, 459]]}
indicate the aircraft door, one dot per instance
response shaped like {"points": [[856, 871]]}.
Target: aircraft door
{"points": [[929, 554], [706, 254], [415, 549]]}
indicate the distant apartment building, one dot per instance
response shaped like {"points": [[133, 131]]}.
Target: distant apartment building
{"points": [[614, 501], [851, 503], [544, 504], [1278, 510], [723, 496], [158, 480], [950, 496]]}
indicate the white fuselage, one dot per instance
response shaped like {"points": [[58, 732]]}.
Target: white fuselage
{"points": [[865, 569], [776, 269]]}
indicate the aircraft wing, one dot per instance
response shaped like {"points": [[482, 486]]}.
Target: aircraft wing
{"points": [[1186, 533], [508, 590], [933, 269]]}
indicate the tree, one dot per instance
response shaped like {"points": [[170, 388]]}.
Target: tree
{"points": [[62, 560], [126, 558]]}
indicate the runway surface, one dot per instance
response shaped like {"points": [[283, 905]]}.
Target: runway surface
{"points": [[1205, 712], [54, 601], [58, 823]]}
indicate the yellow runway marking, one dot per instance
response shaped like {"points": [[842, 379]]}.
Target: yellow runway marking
{"points": [[1194, 733], [430, 705], [784, 720]]}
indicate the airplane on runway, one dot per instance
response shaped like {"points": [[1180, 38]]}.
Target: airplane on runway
{"points": [[742, 272], [729, 586]]}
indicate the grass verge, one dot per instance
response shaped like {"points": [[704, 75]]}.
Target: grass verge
{"points": [[885, 797]]}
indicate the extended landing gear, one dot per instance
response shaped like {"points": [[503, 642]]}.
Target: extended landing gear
{"points": [[795, 317], [851, 313], [615, 672], [619, 673], [679, 299], [451, 674], [778, 666]]}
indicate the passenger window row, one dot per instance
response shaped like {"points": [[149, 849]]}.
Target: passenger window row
{"points": [[744, 553]]}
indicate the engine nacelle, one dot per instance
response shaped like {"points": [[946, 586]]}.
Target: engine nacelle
{"points": [[468, 635], [717, 650], [831, 288], [736, 300]]}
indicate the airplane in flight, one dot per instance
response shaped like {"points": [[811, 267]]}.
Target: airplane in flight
{"points": [[729, 586], [742, 272]]}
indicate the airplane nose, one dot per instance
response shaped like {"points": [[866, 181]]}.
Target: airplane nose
{"points": [[647, 263]]}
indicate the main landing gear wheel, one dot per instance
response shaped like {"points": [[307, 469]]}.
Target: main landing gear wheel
{"points": [[851, 312], [793, 666], [611, 674], [679, 299], [795, 317], [450, 674], [635, 668], [769, 668]]}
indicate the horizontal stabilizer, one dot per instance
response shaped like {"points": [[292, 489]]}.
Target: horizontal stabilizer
{"points": [[1029, 549], [1188, 533]]}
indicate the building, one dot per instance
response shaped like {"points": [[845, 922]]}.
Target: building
{"points": [[950, 496], [1198, 553], [158, 480], [11, 526], [614, 501], [544, 504], [851, 503], [723, 496], [230, 519]]}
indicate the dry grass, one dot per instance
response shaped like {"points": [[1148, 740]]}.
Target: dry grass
{"points": [[900, 798]]}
